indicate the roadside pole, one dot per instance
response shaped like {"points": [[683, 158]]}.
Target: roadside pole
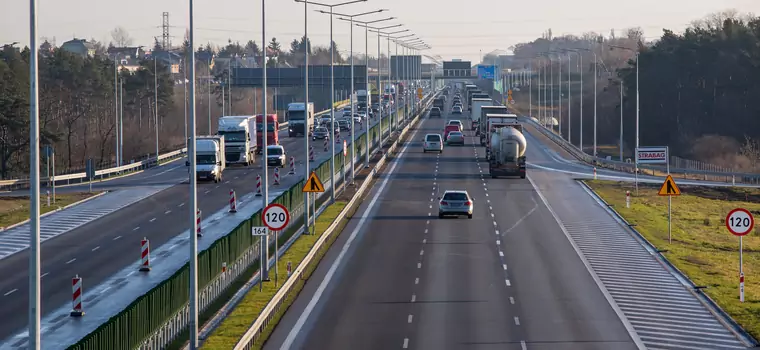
{"points": [[669, 187], [740, 222]]}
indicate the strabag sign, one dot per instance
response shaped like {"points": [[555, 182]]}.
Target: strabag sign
{"points": [[652, 155]]}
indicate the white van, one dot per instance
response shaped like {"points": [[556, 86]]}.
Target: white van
{"points": [[433, 142]]}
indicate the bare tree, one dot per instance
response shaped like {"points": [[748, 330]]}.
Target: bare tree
{"points": [[121, 37]]}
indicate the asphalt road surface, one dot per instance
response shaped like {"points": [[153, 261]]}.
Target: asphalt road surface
{"points": [[99, 249], [506, 279]]}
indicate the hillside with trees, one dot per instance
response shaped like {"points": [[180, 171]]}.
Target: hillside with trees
{"points": [[698, 89], [77, 104]]}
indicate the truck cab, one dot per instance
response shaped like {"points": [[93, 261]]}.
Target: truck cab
{"points": [[272, 127], [209, 157], [240, 138], [300, 118]]}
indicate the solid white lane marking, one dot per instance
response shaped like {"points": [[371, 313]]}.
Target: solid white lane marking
{"points": [[10, 292], [509, 284], [71, 261], [517, 320], [105, 289], [132, 273], [96, 248], [154, 219], [409, 319]]}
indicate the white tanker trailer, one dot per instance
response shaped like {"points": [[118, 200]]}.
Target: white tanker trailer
{"points": [[507, 152]]}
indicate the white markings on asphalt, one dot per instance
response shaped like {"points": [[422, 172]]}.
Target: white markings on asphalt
{"points": [[136, 228], [422, 252], [406, 343], [523, 345], [419, 265], [167, 212], [417, 280], [409, 318], [71, 261], [181, 204], [105, 289], [117, 237], [504, 266], [517, 320], [228, 181], [414, 297], [44, 274], [501, 254], [512, 300], [10, 292], [154, 219], [132, 273], [498, 242], [509, 284], [96, 248], [207, 192]]}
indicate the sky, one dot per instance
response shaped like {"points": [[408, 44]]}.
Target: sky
{"points": [[453, 29]]}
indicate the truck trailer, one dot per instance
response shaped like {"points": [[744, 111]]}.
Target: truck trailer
{"points": [[507, 152], [239, 138], [477, 104]]}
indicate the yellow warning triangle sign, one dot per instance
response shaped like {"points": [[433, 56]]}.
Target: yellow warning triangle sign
{"points": [[313, 185], [669, 188]]}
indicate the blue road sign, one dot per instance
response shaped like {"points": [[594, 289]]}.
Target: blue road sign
{"points": [[487, 72]]}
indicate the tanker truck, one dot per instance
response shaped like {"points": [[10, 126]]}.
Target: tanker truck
{"points": [[506, 152]]}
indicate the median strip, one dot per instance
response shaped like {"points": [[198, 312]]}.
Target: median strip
{"points": [[702, 247], [15, 209]]}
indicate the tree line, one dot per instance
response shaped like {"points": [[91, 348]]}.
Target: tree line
{"points": [[697, 88], [78, 100]]}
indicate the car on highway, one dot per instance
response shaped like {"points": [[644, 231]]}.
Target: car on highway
{"points": [[456, 110], [455, 203], [435, 112], [346, 111], [432, 142], [455, 138], [344, 125], [276, 156], [321, 133], [456, 122], [324, 120], [449, 128]]}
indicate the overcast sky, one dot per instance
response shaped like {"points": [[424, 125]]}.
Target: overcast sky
{"points": [[454, 29]]}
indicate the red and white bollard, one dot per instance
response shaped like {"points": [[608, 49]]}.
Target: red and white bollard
{"points": [[741, 287], [233, 202], [198, 221], [224, 267], [311, 153], [144, 255], [76, 286], [594, 173], [276, 176], [325, 144], [258, 185], [337, 139], [292, 166], [627, 199]]}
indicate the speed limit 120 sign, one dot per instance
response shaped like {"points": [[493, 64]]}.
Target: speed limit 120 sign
{"points": [[740, 221], [276, 217]]}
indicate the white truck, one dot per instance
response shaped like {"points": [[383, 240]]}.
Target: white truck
{"points": [[361, 99], [300, 118], [477, 103], [506, 151], [240, 138], [209, 157], [483, 123]]}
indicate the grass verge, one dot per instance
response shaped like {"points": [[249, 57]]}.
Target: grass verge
{"points": [[237, 323], [702, 247], [16, 209]]}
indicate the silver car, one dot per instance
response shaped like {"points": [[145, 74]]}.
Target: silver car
{"points": [[455, 203], [276, 156], [455, 138], [456, 122], [433, 142]]}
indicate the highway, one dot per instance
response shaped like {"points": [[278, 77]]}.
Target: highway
{"points": [[106, 245], [539, 266]]}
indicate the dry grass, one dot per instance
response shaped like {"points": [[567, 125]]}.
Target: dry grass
{"points": [[16, 209], [702, 247]]}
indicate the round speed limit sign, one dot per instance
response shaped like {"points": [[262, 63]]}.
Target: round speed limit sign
{"points": [[740, 222], [276, 216]]}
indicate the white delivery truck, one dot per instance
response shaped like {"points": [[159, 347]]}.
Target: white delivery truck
{"points": [[477, 103], [209, 157], [300, 122], [240, 138]]}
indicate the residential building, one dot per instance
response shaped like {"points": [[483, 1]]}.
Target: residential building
{"points": [[79, 47]]}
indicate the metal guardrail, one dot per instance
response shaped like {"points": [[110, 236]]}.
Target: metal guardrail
{"points": [[101, 174], [644, 169], [177, 323], [247, 341]]}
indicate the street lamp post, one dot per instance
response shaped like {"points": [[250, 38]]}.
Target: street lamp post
{"points": [[366, 77], [332, 87], [352, 87], [193, 322], [155, 99], [34, 184], [636, 153], [379, 31]]}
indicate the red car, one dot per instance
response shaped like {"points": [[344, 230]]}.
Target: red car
{"points": [[448, 129]]}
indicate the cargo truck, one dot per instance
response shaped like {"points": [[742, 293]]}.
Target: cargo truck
{"points": [[477, 104], [272, 135], [361, 99], [300, 118], [482, 124], [507, 152], [494, 121], [209, 157], [239, 133], [471, 96]]}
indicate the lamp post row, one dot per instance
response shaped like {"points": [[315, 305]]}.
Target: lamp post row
{"points": [[34, 214]]}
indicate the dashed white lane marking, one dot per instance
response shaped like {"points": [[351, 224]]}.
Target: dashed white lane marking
{"points": [[517, 320], [116, 238], [417, 280], [422, 252], [105, 289], [504, 266], [207, 192], [10, 292], [523, 345], [45, 274], [167, 212], [406, 343], [226, 182], [509, 284], [498, 242], [136, 228], [154, 219], [414, 297], [96, 248], [512, 300], [419, 265], [71, 261], [500, 252], [181, 204], [132, 273], [409, 319]]}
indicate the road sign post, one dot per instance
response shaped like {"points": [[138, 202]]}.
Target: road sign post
{"points": [[261, 232], [740, 222], [343, 165], [313, 185], [649, 155], [669, 189], [276, 218], [90, 171]]}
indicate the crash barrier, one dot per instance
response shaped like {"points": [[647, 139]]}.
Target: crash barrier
{"points": [[159, 316], [149, 162], [252, 336]]}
